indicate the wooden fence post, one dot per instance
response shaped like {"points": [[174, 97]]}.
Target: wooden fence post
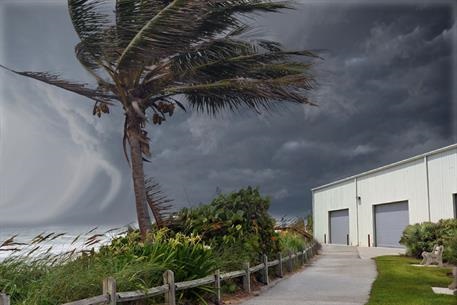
{"points": [[266, 279], [280, 272], [217, 282], [170, 296], [4, 299], [289, 263], [247, 278], [109, 288]]}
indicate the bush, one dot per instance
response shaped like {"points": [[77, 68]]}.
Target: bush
{"points": [[422, 237], [237, 226], [450, 252]]}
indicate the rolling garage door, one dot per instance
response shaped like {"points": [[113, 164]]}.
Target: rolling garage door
{"points": [[339, 227], [390, 221]]}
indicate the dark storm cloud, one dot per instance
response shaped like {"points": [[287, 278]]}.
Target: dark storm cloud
{"points": [[385, 93]]}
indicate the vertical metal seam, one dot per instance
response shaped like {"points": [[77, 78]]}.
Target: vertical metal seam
{"points": [[313, 214], [357, 210], [428, 187]]}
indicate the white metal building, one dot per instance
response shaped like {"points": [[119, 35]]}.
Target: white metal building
{"points": [[372, 208]]}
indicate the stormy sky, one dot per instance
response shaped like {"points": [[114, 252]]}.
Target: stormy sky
{"points": [[385, 93]]}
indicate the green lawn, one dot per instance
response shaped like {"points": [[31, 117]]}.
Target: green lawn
{"points": [[399, 283]]}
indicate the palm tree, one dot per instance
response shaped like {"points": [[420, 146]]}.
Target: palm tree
{"points": [[153, 55]]}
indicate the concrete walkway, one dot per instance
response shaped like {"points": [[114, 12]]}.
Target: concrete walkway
{"points": [[366, 252], [338, 277]]}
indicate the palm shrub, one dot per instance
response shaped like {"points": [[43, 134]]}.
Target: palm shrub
{"points": [[419, 237]]}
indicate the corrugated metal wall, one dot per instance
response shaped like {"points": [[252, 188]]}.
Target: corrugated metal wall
{"points": [[335, 198], [406, 181], [442, 170]]}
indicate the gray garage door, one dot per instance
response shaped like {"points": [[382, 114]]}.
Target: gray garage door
{"points": [[339, 226], [390, 221]]}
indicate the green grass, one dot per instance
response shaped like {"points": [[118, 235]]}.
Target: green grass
{"points": [[399, 283]]}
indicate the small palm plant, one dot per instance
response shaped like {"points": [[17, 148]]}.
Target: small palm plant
{"points": [[152, 56]]}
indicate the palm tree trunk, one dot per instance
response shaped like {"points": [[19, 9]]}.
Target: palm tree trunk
{"points": [[144, 220]]}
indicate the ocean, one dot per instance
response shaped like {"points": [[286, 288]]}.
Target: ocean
{"points": [[54, 239]]}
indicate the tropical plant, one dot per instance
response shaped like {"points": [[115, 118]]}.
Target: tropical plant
{"points": [[150, 55], [235, 224], [134, 264]]}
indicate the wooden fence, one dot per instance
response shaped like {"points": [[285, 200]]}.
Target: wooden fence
{"points": [[110, 295]]}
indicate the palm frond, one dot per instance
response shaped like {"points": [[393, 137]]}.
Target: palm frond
{"points": [[183, 23], [86, 57], [224, 15], [158, 202], [249, 56], [178, 67], [90, 24], [225, 58], [162, 34], [209, 52], [132, 15], [252, 93], [229, 54], [78, 88], [93, 24], [92, 62], [250, 65], [226, 70]]}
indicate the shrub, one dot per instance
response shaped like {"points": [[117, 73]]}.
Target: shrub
{"points": [[236, 225], [422, 237], [419, 237]]}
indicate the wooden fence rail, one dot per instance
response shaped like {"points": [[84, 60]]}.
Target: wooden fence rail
{"points": [[111, 297]]}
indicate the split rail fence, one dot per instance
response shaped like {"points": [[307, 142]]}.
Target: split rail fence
{"points": [[169, 288]]}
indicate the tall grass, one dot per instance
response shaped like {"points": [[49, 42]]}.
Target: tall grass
{"points": [[291, 242], [49, 279], [235, 229]]}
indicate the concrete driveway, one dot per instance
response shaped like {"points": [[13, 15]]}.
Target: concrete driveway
{"points": [[338, 277]]}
